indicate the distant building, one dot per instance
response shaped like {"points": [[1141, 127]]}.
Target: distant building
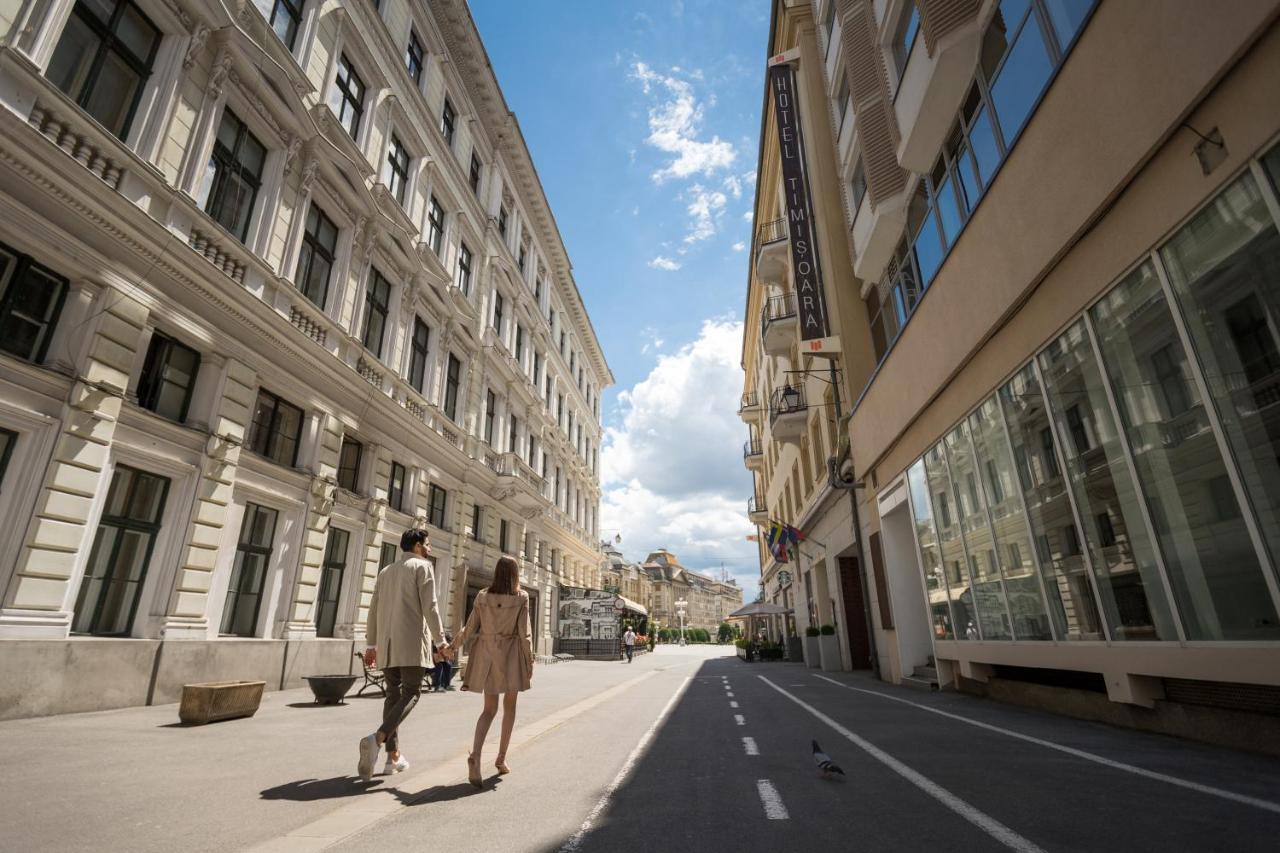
{"points": [[708, 601]]}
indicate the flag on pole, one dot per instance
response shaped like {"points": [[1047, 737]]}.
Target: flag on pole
{"points": [[776, 539]]}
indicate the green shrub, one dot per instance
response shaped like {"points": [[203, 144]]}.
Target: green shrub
{"points": [[828, 630], [811, 631]]}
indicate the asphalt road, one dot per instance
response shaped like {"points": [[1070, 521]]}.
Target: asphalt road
{"points": [[686, 749]]}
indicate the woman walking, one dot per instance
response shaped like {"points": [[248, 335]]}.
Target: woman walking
{"points": [[501, 658]]}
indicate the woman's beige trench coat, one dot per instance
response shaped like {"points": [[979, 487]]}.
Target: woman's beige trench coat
{"points": [[501, 656]]}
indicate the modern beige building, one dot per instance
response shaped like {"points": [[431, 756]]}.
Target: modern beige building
{"points": [[1063, 218], [277, 281]]}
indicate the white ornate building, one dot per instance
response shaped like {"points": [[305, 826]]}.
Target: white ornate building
{"points": [[277, 280]]}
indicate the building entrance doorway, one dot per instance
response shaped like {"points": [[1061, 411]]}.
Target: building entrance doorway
{"points": [[855, 612]]}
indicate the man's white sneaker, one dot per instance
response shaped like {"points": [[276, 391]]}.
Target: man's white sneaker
{"points": [[399, 765], [368, 754]]}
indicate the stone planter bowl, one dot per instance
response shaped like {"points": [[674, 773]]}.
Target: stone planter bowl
{"points": [[330, 689], [219, 700]]}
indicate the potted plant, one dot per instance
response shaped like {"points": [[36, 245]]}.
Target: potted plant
{"points": [[829, 649], [812, 654], [744, 648]]}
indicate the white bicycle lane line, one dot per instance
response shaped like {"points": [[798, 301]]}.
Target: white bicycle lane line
{"points": [[983, 821], [1198, 787]]}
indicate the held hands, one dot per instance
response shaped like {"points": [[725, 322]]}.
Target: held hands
{"points": [[370, 654]]}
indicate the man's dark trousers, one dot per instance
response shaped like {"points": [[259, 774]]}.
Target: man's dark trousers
{"points": [[404, 683]]}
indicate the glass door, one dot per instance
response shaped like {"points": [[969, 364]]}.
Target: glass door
{"points": [[335, 564]]}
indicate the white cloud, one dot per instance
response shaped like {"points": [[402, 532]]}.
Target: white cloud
{"points": [[705, 209], [672, 471], [664, 263], [748, 216], [675, 124], [740, 246]]}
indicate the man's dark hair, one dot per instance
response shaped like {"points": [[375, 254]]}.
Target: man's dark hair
{"points": [[412, 537]]}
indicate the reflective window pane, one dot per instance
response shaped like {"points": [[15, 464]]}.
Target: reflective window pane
{"points": [[1212, 566], [1068, 585], [1021, 80], [1067, 16], [985, 150], [955, 563], [984, 566], [931, 558], [1224, 266], [994, 459], [1123, 558]]}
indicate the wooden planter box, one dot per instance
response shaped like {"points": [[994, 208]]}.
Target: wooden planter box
{"points": [[219, 700]]}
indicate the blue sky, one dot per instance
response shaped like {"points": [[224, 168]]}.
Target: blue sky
{"points": [[642, 119]]}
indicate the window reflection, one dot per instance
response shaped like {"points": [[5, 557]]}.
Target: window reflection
{"points": [[1122, 554], [1211, 563], [1068, 585], [984, 568], [994, 460], [950, 546], [931, 559]]}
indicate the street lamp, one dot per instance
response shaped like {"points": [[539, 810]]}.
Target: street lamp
{"points": [[681, 604]]}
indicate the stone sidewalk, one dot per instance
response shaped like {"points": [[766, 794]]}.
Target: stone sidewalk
{"points": [[137, 779]]}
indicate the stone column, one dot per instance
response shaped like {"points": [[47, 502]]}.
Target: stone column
{"points": [[301, 616], [229, 417], [41, 595]]}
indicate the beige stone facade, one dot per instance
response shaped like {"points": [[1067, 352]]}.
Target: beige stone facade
{"points": [[1061, 236], [299, 292], [707, 601]]}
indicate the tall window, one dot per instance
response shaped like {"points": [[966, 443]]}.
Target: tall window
{"points": [[414, 56], [452, 379], [519, 342], [315, 260], [276, 429], [513, 434], [464, 269], [537, 291], [502, 221], [103, 60], [857, 186], [448, 120], [477, 523], [905, 35], [121, 553], [490, 409], [503, 531], [435, 225], [436, 498], [348, 97], [473, 174], [236, 169], [8, 438], [286, 15], [377, 302], [395, 487], [397, 168], [521, 258], [349, 463], [497, 311], [168, 378], [331, 572], [418, 355], [31, 298], [537, 367], [249, 573]]}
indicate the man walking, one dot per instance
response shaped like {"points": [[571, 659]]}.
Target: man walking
{"points": [[403, 620], [629, 643]]}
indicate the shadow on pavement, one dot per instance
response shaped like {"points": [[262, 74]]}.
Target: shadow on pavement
{"points": [[445, 793], [308, 790]]}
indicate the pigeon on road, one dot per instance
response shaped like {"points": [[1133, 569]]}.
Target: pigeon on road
{"points": [[825, 764]]}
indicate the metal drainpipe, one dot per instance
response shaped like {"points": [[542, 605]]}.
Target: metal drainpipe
{"points": [[851, 486]]}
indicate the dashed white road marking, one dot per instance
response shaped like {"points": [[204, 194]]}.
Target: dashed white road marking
{"points": [[1266, 805], [726, 686], [739, 719], [729, 695], [575, 841], [977, 817], [773, 807], [749, 744], [733, 704]]}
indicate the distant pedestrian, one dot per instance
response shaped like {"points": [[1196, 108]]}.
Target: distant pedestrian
{"points": [[629, 643], [443, 673], [501, 659], [403, 619]]}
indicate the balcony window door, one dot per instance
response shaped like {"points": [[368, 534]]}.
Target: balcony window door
{"points": [[235, 175], [316, 258], [348, 97], [418, 355], [331, 572], [249, 572], [452, 380], [377, 305]]}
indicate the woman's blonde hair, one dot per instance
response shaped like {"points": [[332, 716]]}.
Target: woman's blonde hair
{"points": [[506, 576]]}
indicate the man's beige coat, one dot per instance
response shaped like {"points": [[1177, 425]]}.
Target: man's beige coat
{"points": [[403, 617]]}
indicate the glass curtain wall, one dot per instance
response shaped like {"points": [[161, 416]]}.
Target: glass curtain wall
{"points": [[1134, 466]]}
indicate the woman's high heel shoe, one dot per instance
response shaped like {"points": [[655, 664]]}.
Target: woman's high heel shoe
{"points": [[473, 772], [501, 764]]}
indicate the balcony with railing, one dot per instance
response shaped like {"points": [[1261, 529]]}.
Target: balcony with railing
{"points": [[757, 512], [753, 454], [519, 483], [771, 251], [749, 409], [779, 327], [788, 413]]}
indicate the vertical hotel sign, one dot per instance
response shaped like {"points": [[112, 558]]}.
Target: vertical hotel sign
{"points": [[811, 305]]}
